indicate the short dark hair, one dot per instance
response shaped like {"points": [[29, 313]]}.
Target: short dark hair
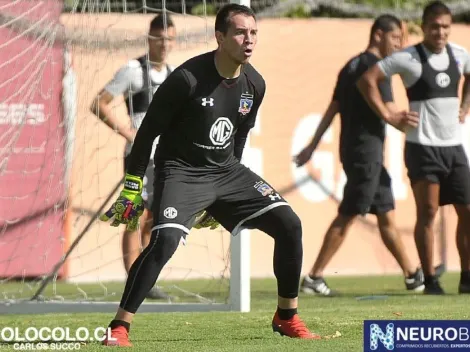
{"points": [[434, 9], [159, 23], [385, 23], [222, 21]]}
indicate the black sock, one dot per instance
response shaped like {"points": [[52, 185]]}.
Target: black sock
{"points": [[465, 277], [314, 277], [116, 323], [286, 314]]}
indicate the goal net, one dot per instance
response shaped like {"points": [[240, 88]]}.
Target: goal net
{"points": [[61, 166]]}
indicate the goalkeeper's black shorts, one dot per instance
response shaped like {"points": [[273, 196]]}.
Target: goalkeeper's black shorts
{"points": [[147, 190], [233, 197]]}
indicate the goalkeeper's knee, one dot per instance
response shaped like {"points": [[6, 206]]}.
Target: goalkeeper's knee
{"points": [[282, 224], [164, 242]]}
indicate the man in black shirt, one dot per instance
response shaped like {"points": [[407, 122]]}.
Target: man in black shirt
{"points": [[368, 188], [203, 112]]}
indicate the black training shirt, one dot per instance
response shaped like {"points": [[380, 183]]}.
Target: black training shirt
{"points": [[362, 131], [202, 119]]}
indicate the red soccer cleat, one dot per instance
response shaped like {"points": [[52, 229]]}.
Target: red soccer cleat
{"points": [[293, 327], [120, 336]]}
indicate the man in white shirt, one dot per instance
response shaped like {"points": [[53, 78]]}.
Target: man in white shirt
{"points": [[434, 156], [138, 80]]}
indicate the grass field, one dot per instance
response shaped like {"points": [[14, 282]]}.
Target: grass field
{"points": [[252, 331]]}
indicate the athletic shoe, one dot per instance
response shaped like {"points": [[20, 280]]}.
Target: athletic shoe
{"points": [[433, 287], [120, 336], [464, 287], [415, 282], [294, 327], [317, 287]]}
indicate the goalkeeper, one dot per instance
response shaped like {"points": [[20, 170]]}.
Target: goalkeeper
{"points": [[203, 113], [137, 81]]}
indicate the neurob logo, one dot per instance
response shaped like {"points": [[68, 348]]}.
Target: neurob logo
{"points": [[417, 335], [33, 338], [387, 338], [432, 334]]}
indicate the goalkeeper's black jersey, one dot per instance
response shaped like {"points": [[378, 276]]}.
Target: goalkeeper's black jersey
{"points": [[202, 118]]}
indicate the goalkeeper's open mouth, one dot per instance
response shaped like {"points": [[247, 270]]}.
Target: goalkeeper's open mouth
{"points": [[247, 52]]}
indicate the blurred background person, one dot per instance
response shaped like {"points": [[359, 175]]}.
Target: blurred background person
{"points": [[437, 164], [137, 81], [368, 188]]}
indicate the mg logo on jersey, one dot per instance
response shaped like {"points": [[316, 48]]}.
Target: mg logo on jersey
{"points": [[221, 131], [170, 213], [207, 101], [443, 80]]}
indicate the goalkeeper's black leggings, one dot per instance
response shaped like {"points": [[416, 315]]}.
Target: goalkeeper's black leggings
{"points": [[146, 268], [281, 223], [284, 226]]}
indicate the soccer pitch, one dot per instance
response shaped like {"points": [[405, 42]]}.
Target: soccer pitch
{"points": [[252, 331]]}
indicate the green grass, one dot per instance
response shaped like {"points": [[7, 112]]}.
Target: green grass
{"points": [[252, 331]]}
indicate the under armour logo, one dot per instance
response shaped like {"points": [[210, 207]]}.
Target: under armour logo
{"points": [[206, 101], [274, 196]]}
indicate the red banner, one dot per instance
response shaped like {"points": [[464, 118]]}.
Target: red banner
{"points": [[32, 139]]}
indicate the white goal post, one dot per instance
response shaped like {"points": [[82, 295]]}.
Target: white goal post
{"points": [[240, 257]]}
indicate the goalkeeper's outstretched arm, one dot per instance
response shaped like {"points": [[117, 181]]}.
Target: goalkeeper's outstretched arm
{"points": [[165, 106]]}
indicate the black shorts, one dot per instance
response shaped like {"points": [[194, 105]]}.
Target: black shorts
{"points": [[447, 166], [368, 189], [233, 197], [147, 189]]}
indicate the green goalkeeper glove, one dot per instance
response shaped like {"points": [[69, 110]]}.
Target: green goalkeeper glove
{"points": [[129, 206], [204, 219]]}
